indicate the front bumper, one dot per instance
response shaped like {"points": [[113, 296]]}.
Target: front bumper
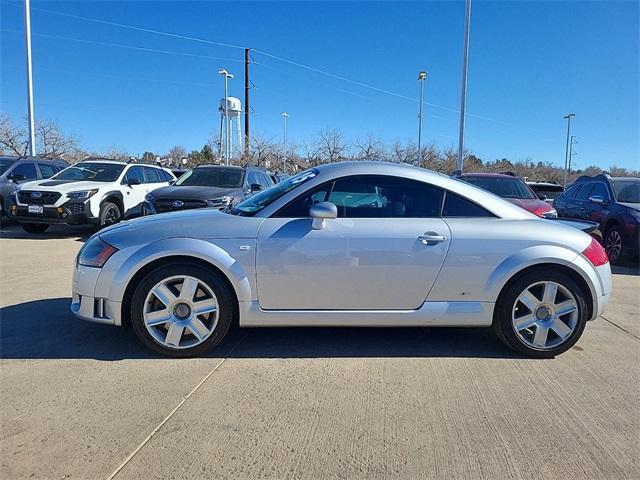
{"points": [[84, 302], [73, 212]]}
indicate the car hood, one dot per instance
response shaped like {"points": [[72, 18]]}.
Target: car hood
{"points": [[62, 185], [205, 223], [177, 192], [533, 205], [634, 206]]}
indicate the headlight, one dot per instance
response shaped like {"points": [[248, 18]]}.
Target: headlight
{"points": [[95, 252], [82, 194], [550, 214], [219, 202]]}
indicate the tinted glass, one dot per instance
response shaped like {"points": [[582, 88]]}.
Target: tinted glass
{"points": [[600, 189], [153, 175], [457, 206], [505, 187], [376, 196], [265, 181], [47, 170], [135, 173], [626, 191], [584, 192], [5, 163], [93, 171], [28, 170], [212, 177], [166, 176], [252, 178], [299, 208]]}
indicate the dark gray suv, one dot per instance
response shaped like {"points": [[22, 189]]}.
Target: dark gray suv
{"points": [[14, 171], [215, 186]]}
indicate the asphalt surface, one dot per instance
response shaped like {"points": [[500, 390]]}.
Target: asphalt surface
{"points": [[86, 401]]}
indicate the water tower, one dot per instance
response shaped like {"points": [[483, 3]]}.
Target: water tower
{"points": [[234, 109]]}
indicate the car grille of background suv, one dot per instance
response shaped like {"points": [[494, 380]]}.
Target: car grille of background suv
{"points": [[45, 198], [165, 205]]}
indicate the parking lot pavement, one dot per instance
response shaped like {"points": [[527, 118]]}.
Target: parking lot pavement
{"points": [[85, 401]]}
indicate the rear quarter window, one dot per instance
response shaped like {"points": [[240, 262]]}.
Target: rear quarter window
{"points": [[458, 206]]}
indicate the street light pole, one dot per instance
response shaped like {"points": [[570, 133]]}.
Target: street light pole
{"points": [[566, 152], [30, 115], [421, 78], [572, 142], [227, 140], [463, 99], [285, 115]]}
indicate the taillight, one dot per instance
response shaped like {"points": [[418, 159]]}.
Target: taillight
{"points": [[595, 253]]}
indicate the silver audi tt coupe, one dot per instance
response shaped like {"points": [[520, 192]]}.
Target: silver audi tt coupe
{"points": [[347, 244]]}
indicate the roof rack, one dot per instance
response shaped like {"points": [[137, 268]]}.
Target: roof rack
{"points": [[599, 176]]}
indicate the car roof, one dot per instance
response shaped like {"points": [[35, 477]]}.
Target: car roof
{"points": [[543, 184], [100, 160], [35, 159], [234, 167], [488, 175]]}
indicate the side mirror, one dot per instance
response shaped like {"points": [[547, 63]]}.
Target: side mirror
{"points": [[16, 177], [596, 199], [542, 196], [133, 181], [320, 212], [255, 187]]}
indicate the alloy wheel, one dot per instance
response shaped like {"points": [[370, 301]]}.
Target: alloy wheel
{"points": [[545, 315], [180, 312], [613, 245]]}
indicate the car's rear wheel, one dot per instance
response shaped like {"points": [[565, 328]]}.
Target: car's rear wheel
{"points": [[182, 310], [614, 245], [35, 227], [541, 314], [110, 214]]}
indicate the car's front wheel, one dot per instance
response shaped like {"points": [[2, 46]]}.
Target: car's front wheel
{"points": [[541, 314], [35, 227], [182, 310], [110, 214]]}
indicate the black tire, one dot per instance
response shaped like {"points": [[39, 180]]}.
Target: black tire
{"points": [[215, 281], [502, 317], [110, 214], [34, 227], [614, 245]]}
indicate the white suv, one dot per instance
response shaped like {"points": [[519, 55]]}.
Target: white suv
{"points": [[91, 192]]}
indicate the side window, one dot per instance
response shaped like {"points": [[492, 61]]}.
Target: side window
{"points": [[265, 181], [457, 206], [47, 170], [299, 207], [135, 172], [166, 177], [377, 196], [153, 175], [600, 189], [28, 170], [584, 192], [252, 178]]}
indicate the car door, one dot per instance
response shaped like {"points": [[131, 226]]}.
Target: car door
{"points": [[581, 202], [134, 193], [155, 179], [599, 212], [374, 256]]}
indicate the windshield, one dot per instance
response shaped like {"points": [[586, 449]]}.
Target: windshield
{"points": [[508, 187], [5, 163], [626, 191], [254, 204], [93, 171], [212, 177], [548, 191]]}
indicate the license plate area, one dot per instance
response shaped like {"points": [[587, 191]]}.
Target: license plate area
{"points": [[37, 209]]}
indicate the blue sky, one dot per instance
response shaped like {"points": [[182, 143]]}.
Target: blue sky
{"points": [[530, 63]]}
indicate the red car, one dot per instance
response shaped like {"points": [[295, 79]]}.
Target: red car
{"points": [[513, 189]]}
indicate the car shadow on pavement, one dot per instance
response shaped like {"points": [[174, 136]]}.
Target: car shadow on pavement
{"points": [[15, 232], [45, 329], [630, 269]]}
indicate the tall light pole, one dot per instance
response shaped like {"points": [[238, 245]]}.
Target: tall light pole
{"points": [[572, 142], [566, 152], [285, 116], [421, 78], [30, 116], [463, 99], [227, 140]]}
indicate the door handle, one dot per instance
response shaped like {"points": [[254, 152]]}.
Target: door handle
{"points": [[431, 238]]}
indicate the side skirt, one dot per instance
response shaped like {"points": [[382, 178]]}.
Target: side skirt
{"points": [[430, 314]]}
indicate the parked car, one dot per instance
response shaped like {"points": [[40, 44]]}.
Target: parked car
{"points": [[612, 202], [547, 191], [15, 171], [178, 172], [434, 251], [513, 189], [98, 192], [208, 186]]}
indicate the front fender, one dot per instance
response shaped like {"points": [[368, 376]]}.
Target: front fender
{"points": [[124, 264]]}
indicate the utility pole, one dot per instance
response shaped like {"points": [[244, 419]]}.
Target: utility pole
{"points": [[421, 78], [463, 99], [568, 118], [247, 137], [30, 115], [285, 115]]}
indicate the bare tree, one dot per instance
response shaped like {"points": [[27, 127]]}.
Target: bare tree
{"points": [[370, 148], [176, 154], [403, 153], [331, 146]]}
